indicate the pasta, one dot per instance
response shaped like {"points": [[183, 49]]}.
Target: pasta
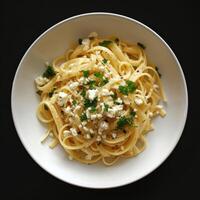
{"points": [[98, 100]]}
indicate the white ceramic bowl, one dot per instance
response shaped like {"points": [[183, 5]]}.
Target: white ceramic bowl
{"points": [[54, 42]]}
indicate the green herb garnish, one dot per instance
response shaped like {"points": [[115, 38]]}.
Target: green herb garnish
{"points": [[105, 43], [83, 92], [106, 106], [49, 72], [104, 81], [93, 109], [104, 61], [141, 45], [123, 121], [85, 73], [130, 87], [88, 103], [83, 117], [74, 102], [132, 113], [80, 41], [159, 74], [98, 75], [91, 84]]}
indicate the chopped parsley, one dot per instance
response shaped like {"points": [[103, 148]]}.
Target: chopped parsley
{"points": [[46, 107], [80, 41], [159, 74], [103, 80], [85, 73], [141, 45], [130, 87], [83, 117], [74, 102], [49, 72], [123, 121], [91, 84], [83, 92], [98, 75], [104, 61], [88, 103], [106, 106], [105, 43], [93, 109]]}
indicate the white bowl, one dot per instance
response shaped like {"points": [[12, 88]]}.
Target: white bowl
{"points": [[54, 42]]}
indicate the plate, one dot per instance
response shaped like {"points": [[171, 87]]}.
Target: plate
{"points": [[54, 42]]}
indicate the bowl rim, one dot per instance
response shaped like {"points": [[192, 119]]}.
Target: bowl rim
{"points": [[113, 185]]}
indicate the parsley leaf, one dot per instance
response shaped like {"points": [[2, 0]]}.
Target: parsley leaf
{"points": [[83, 117], [88, 103], [123, 121], [130, 87], [93, 109], [83, 92], [141, 45], [85, 73], [104, 61], [106, 106], [114, 96], [49, 72], [105, 43], [74, 102], [104, 81], [98, 75], [92, 83]]}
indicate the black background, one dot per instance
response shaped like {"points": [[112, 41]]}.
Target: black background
{"points": [[23, 22]]}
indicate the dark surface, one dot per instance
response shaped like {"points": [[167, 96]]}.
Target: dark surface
{"points": [[23, 22]]}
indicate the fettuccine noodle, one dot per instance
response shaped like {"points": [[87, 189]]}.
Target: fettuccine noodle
{"points": [[98, 100]]}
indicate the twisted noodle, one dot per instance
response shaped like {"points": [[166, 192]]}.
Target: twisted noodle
{"points": [[117, 62]]}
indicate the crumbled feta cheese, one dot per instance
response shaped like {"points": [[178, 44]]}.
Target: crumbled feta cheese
{"points": [[91, 131], [138, 101], [84, 123], [88, 136], [106, 92], [73, 85], [86, 44], [88, 114], [119, 100], [67, 110], [114, 135], [92, 94], [93, 117], [150, 114], [98, 138], [135, 109], [81, 80], [112, 112], [80, 126], [40, 81], [93, 34], [73, 131], [103, 125], [66, 133], [155, 86], [136, 116], [62, 98], [99, 116], [77, 108], [85, 129], [159, 106], [102, 68]]}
